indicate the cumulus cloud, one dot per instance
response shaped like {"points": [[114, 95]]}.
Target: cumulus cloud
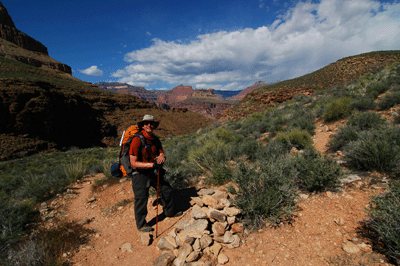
{"points": [[92, 71], [307, 37]]}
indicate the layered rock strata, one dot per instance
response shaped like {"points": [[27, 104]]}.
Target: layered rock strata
{"points": [[17, 45]]}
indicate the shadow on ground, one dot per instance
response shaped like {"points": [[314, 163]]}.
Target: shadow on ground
{"points": [[182, 200]]}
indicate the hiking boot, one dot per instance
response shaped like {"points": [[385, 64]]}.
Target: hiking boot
{"points": [[146, 229], [177, 214]]}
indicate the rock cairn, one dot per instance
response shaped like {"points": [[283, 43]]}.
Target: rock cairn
{"points": [[213, 226]]}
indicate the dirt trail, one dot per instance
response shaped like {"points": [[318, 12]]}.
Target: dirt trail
{"points": [[323, 227]]}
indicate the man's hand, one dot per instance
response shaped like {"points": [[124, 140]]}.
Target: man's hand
{"points": [[157, 165], [161, 158]]}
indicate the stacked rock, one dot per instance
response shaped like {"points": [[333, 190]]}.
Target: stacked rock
{"points": [[213, 225]]}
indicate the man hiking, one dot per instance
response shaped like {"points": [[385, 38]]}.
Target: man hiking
{"points": [[148, 162]]}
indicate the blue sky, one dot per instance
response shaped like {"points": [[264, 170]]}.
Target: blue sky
{"points": [[224, 45]]}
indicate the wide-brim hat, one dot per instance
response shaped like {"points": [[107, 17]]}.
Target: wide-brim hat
{"points": [[148, 118]]}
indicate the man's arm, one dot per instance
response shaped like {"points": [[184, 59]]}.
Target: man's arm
{"points": [[139, 165]]}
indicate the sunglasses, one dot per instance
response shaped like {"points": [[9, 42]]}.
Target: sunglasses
{"points": [[149, 122]]}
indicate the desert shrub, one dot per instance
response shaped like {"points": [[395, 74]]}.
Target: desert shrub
{"points": [[178, 170], [75, 170], [266, 191], [303, 120], [180, 175], [30, 252], [209, 155], [337, 109], [273, 151], [397, 118], [103, 166], [46, 246], [375, 150], [377, 88], [318, 105], [234, 125], [389, 100], [395, 88], [246, 147], [384, 212], [253, 127], [225, 135], [357, 123], [363, 103], [340, 91], [36, 187], [296, 138], [366, 120], [14, 217], [317, 172], [302, 99], [393, 80], [342, 137], [221, 174]]}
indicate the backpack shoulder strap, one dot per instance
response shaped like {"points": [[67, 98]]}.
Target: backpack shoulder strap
{"points": [[142, 140]]}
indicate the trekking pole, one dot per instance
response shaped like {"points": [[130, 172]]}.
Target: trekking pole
{"points": [[158, 187]]}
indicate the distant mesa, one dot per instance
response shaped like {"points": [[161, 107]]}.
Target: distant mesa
{"points": [[207, 102], [177, 94], [17, 45], [137, 91]]}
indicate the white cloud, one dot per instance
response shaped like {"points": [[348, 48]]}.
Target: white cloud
{"points": [[92, 71], [307, 37], [119, 74]]}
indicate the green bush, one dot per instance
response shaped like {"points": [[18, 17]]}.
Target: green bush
{"points": [[393, 80], [266, 191], [103, 166], [234, 125], [337, 109], [357, 123], [14, 216], [342, 137], [384, 212], [363, 103], [179, 172], [366, 121], [297, 138], [248, 147], [389, 100], [36, 187], [317, 172], [225, 135], [375, 150], [221, 174], [397, 118], [375, 89], [209, 155], [75, 170], [180, 175], [303, 120]]}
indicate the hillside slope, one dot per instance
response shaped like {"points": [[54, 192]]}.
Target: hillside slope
{"points": [[340, 72]]}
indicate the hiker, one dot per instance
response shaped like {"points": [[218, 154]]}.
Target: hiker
{"points": [[148, 161]]}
